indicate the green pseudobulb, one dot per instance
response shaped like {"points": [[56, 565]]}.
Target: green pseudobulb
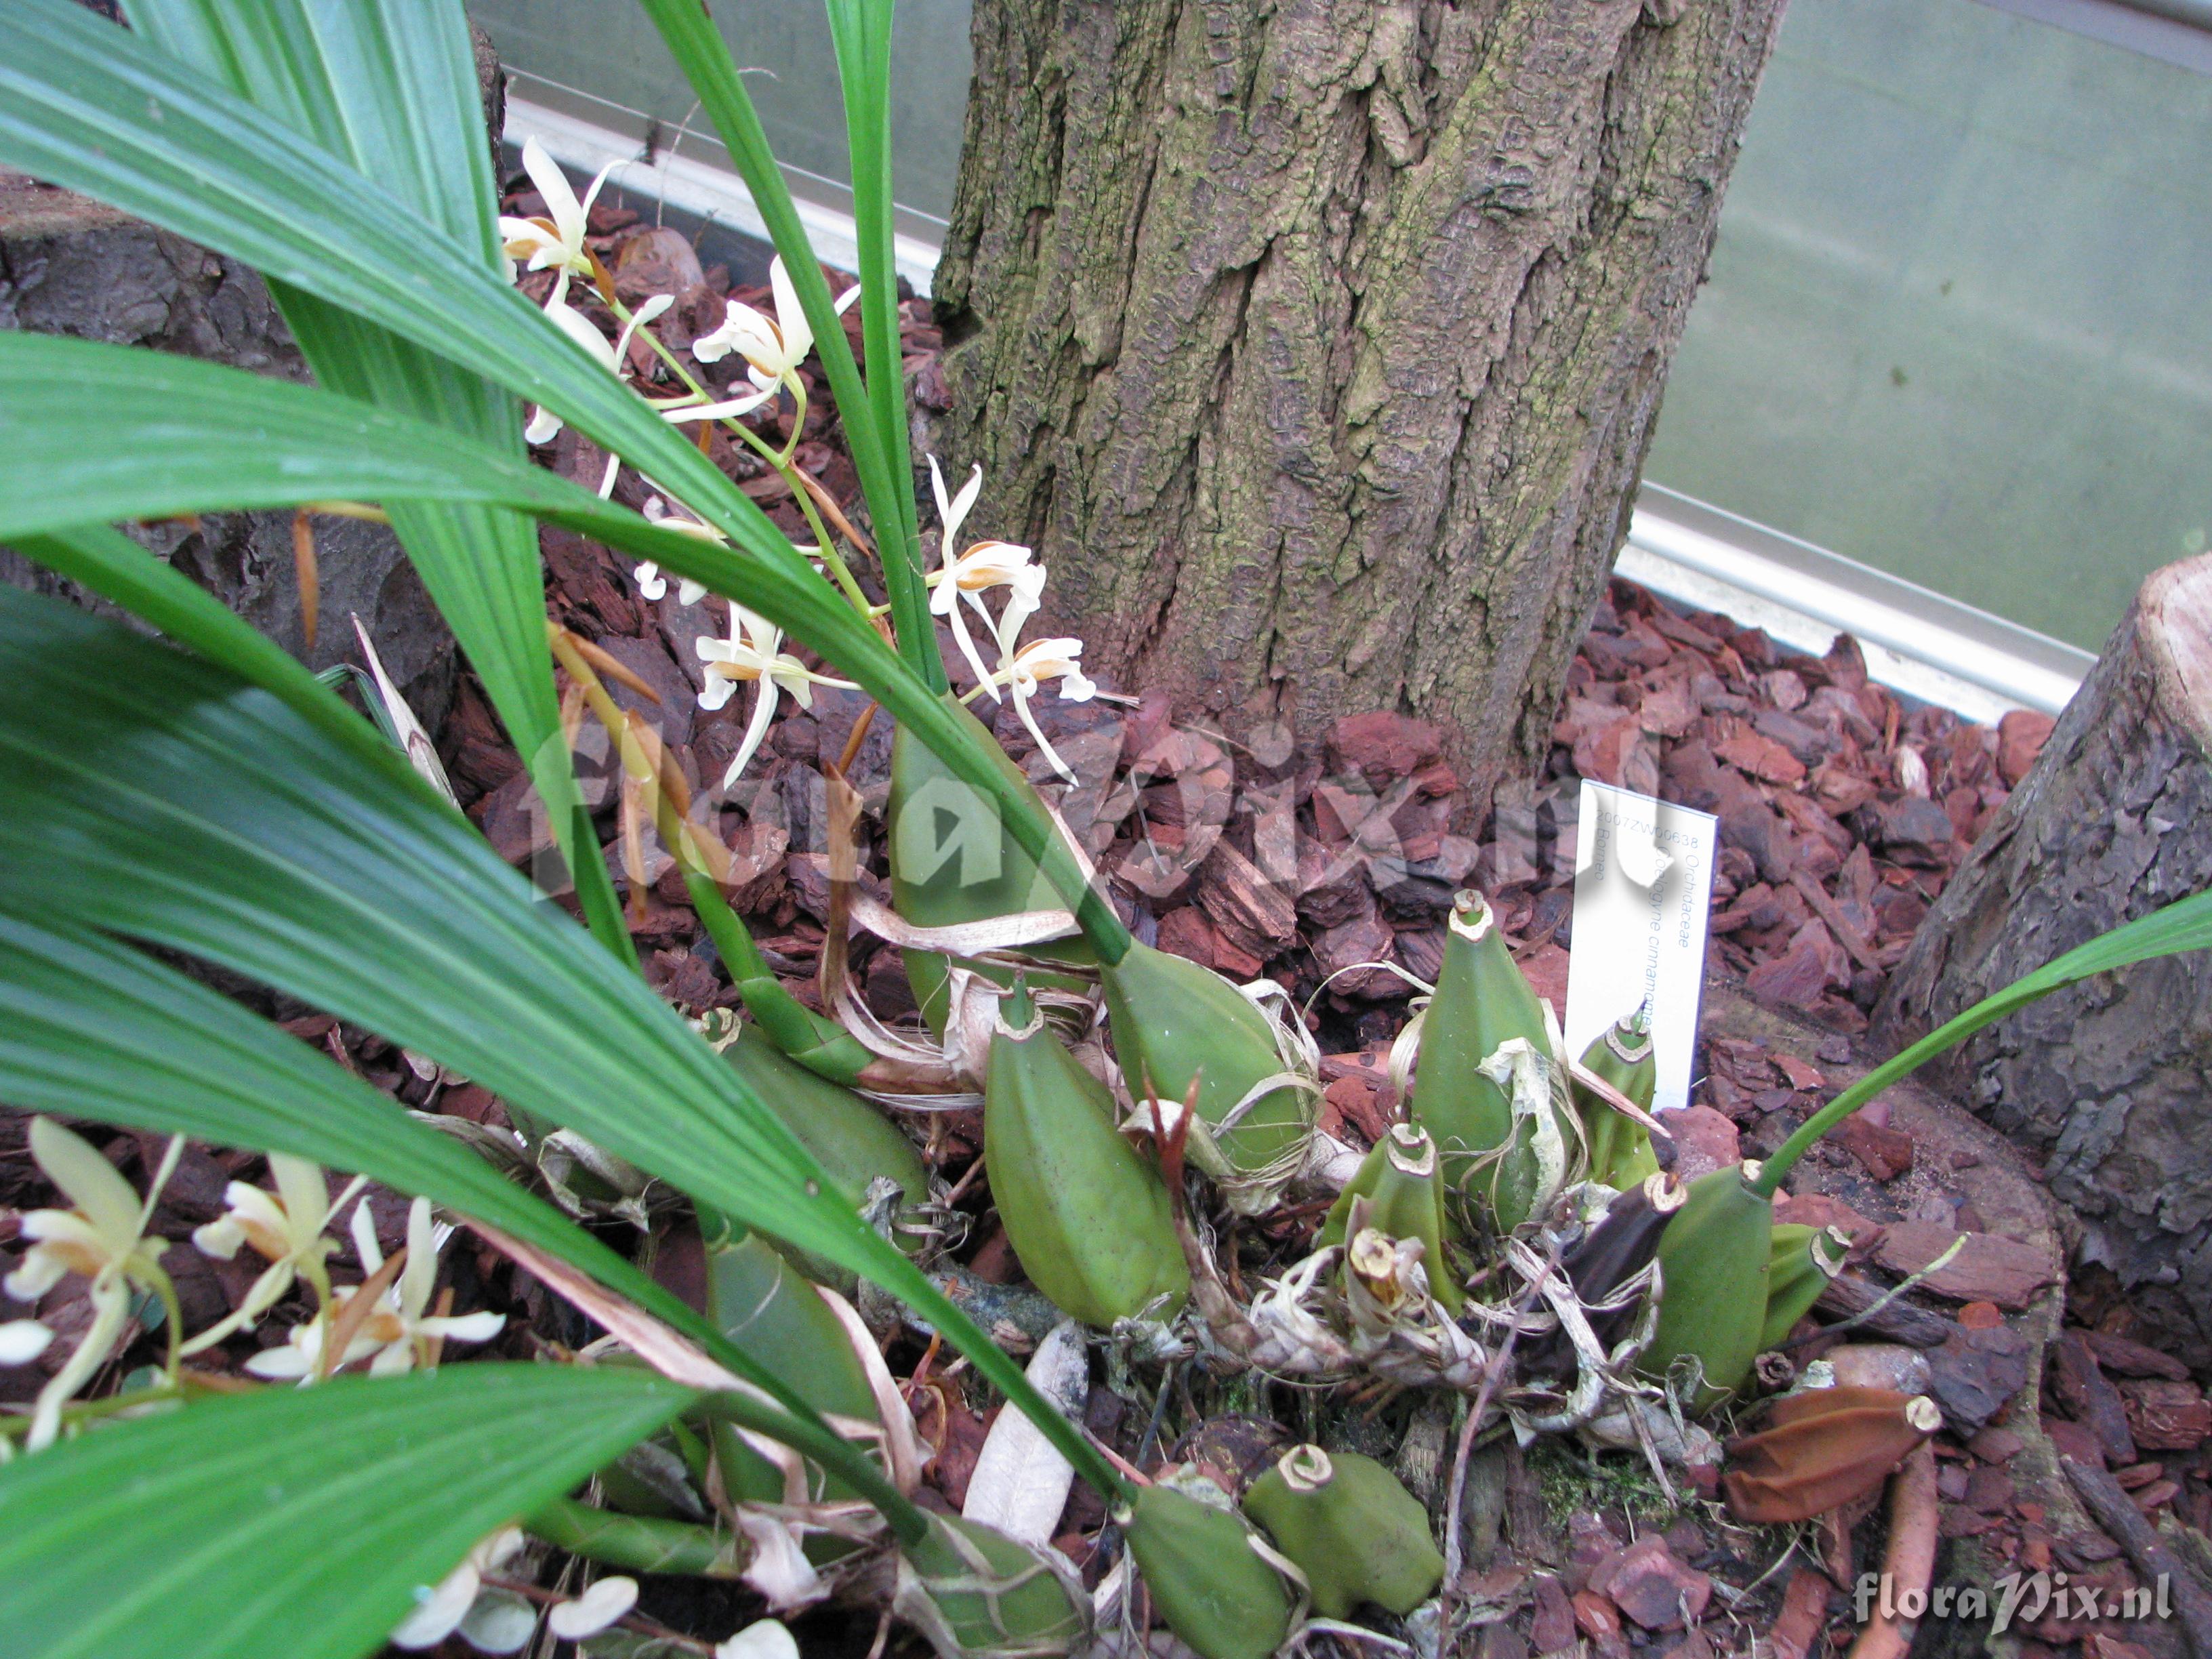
{"points": [[1620, 1152], [1086, 1213], [954, 860], [1216, 1592], [1499, 1162], [1714, 1261], [1352, 1528], [1176, 1022]]}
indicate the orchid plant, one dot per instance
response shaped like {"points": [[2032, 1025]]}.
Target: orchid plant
{"points": [[102, 1238], [192, 794], [340, 149]]}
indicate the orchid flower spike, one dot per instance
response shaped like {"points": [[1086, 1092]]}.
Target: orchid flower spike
{"points": [[556, 240], [650, 581], [755, 652], [102, 1238], [439, 1612], [773, 347], [400, 1331], [543, 422], [986, 565], [1023, 671], [285, 1228]]}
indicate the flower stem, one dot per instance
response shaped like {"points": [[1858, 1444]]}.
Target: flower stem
{"points": [[783, 462], [164, 1287]]}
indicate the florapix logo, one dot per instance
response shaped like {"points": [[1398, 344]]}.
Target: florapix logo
{"points": [[2023, 1597]]}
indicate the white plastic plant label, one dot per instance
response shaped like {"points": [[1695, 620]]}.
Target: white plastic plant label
{"points": [[1643, 890]]}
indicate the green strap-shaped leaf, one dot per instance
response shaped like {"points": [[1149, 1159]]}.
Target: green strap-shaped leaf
{"points": [[391, 90], [105, 432], [153, 795], [2185, 925], [861, 30], [294, 1523], [85, 104], [878, 442], [92, 1028]]}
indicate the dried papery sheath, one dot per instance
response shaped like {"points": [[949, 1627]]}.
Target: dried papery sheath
{"points": [[1086, 1213], [1207, 1573], [1712, 1309], [1482, 1003], [1801, 1261], [1352, 1528], [1532, 1166], [1823, 1447], [1022, 1479]]}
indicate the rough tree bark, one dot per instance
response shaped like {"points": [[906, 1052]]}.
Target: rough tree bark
{"points": [[2106, 1080], [1316, 344]]}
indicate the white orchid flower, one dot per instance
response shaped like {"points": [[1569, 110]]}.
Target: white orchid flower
{"points": [[650, 581], [400, 1330], [543, 422], [953, 513], [773, 347], [103, 1238], [22, 1341], [555, 241], [764, 1639], [755, 652], [1023, 671], [607, 1601], [986, 565], [730, 409], [440, 1608], [285, 1228]]}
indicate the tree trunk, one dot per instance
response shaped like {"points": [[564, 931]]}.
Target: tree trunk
{"points": [[1316, 345], [2106, 1080]]}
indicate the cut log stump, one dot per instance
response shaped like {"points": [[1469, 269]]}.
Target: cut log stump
{"points": [[2105, 1082]]}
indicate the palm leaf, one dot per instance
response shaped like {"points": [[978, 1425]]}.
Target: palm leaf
{"points": [[299, 1523]]}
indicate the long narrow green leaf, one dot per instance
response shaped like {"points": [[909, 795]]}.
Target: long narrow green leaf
{"points": [[112, 565], [861, 30], [92, 1027], [294, 1523], [194, 436], [886, 474], [2185, 925], [391, 90], [151, 794], [85, 104]]}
